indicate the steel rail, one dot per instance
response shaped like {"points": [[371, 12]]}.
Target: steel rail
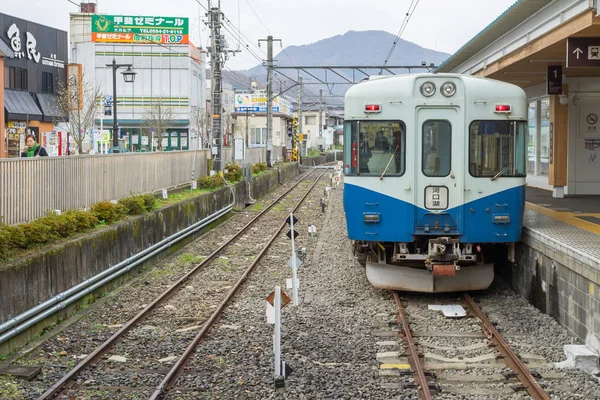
{"points": [[177, 368], [413, 356], [57, 387], [512, 360]]}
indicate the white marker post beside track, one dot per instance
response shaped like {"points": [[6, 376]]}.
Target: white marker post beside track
{"points": [[277, 334], [278, 299], [292, 235]]}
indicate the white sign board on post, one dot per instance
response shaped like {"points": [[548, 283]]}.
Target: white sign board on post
{"points": [[238, 145]]}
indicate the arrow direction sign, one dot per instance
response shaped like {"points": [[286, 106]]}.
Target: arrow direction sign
{"points": [[583, 52], [290, 234]]}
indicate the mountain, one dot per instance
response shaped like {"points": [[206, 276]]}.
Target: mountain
{"points": [[354, 48]]}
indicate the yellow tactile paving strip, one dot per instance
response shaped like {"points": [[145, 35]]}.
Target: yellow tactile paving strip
{"points": [[568, 217]]}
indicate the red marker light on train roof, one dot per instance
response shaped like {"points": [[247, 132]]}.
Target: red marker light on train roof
{"points": [[372, 108], [502, 108]]}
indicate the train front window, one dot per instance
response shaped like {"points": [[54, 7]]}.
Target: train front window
{"points": [[497, 147], [375, 147], [437, 149]]}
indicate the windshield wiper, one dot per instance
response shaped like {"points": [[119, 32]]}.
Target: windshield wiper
{"points": [[503, 170], [389, 162]]}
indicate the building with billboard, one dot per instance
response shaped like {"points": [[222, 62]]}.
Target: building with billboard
{"points": [[250, 113], [166, 103], [33, 61]]}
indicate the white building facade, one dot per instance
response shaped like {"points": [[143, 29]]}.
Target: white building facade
{"points": [[250, 113], [169, 92]]}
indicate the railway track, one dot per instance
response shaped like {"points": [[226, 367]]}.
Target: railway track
{"points": [[425, 381], [153, 339]]}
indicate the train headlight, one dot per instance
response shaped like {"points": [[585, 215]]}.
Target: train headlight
{"points": [[428, 89], [448, 89]]}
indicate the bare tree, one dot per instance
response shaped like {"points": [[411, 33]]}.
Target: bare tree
{"points": [[78, 101], [160, 116], [227, 128], [200, 121], [242, 128]]}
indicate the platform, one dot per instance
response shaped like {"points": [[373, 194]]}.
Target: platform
{"points": [[558, 261]]}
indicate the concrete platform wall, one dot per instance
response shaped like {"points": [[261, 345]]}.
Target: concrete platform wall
{"points": [[561, 282]]}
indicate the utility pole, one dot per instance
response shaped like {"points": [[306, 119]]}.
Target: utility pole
{"points": [[269, 41], [218, 56], [320, 119], [300, 108]]}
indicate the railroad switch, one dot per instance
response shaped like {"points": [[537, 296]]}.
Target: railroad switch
{"points": [[428, 374], [432, 386]]}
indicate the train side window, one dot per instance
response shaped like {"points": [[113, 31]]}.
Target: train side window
{"points": [[497, 147], [436, 148], [375, 147], [350, 144]]}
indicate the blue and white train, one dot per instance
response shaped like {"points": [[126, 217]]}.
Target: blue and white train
{"points": [[435, 168]]}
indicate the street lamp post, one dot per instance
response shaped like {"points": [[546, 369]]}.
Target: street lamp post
{"points": [[129, 77]]}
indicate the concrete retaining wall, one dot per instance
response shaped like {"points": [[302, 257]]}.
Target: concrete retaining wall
{"points": [[560, 283], [322, 159], [35, 279]]}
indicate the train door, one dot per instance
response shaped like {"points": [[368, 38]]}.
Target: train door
{"points": [[439, 172]]}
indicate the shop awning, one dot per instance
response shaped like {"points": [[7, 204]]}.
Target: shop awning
{"points": [[20, 106], [48, 103]]}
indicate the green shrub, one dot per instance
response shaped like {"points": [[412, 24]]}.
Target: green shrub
{"points": [[106, 211], [211, 182], [259, 167], [61, 225], [149, 201], [122, 211], [234, 172], [5, 241], [133, 205], [83, 220], [38, 232], [17, 235]]}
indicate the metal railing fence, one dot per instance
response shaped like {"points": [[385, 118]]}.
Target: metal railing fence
{"points": [[30, 187]]}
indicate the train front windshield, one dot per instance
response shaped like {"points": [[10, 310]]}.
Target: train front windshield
{"points": [[375, 147], [497, 147]]}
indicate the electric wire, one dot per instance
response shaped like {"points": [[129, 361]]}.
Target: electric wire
{"points": [[407, 17]]}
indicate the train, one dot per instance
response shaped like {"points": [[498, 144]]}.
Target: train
{"points": [[434, 178]]}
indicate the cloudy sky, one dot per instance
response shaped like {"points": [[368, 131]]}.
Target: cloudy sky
{"points": [[442, 25]]}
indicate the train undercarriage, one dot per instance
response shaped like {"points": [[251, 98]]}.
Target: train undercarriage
{"points": [[430, 265]]}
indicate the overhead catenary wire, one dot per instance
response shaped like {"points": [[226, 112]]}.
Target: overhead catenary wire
{"points": [[409, 13], [267, 29], [239, 35]]}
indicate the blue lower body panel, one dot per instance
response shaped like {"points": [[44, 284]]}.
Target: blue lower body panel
{"points": [[497, 218]]}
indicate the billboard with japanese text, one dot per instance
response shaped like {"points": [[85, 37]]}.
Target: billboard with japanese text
{"points": [[136, 29], [40, 55], [253, 102]]}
